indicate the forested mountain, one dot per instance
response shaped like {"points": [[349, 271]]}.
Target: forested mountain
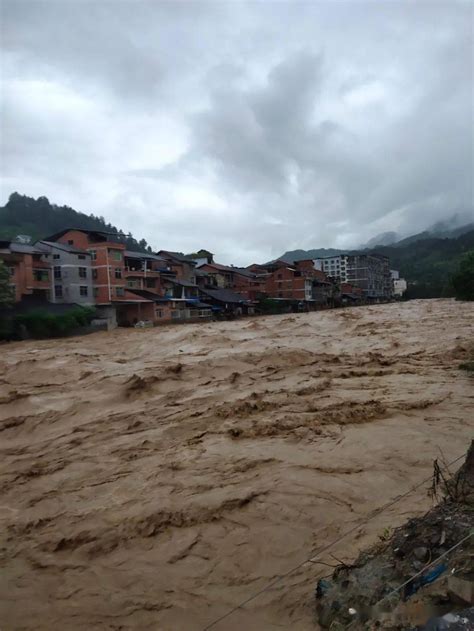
{"points": [[38, 218]]}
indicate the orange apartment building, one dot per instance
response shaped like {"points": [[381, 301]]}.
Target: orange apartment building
{"points": [[109, 275], [29, 269]]}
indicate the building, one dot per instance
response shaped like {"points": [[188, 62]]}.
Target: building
{"points": [[370, 272], [144, 271], [109, 290], [29, 268], [71, 273], [183, 266], [350, 294], [334, 266], [201, 257], [399, 284], [238, 279], [286, 281], [227, 303]]}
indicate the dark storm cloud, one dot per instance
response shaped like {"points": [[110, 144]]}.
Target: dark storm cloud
{"points": [[245, 128]]}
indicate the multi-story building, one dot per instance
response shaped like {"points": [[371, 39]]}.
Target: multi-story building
{"points": [[334, 266], [285, 281], [107, 268], [29, 269], [370, 272], [71, 273], [238, 279], [182, 266], [144, 271]]}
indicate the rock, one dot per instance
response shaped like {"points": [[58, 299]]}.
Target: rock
{"points": [[462, 589], [421, 553]]}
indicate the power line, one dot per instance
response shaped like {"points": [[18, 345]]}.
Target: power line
{"points": [[322, 550], [441, 556]]}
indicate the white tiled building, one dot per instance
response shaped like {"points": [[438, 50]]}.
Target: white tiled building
{"points": [[334, 266]]}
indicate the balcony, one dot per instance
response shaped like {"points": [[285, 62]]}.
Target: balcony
{"points": [[130, 272]]}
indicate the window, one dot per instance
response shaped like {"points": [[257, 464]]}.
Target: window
{"points": [[58, 291], [280, 276], [95, 291], [119, 291], [57, 272], [280, 295], [83, 290], [94, 273], [93, 254], [150, 283], [56, 256], [11, 271], [70, 242], [118, 272], [116, 255], [83, 272], [160, 313], [40, 274], [81, 257]]}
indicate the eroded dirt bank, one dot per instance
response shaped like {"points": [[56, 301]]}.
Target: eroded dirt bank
{"points": [[153, 479]]}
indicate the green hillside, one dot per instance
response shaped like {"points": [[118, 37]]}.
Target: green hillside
{"points": [[38, 218]]}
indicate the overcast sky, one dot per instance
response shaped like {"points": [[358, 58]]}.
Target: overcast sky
{"points": [[245, 128]]}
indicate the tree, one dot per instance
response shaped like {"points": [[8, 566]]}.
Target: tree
{"points": [[7, 295], [463, 280]]}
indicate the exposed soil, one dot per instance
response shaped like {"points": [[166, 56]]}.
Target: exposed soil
{"points": [[155, 478]]}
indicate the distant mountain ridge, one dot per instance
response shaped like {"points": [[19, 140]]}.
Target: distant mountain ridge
{"points": [[385, 239]]}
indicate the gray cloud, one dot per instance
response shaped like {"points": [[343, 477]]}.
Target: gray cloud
{"points": [[245, 128]]}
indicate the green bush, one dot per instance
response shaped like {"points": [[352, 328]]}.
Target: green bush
{"points": [[267, 305], [43, 324]]}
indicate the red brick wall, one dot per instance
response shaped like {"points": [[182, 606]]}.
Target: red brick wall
{"points": [[282, 283]]}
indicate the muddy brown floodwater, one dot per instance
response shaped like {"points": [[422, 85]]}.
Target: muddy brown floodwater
{"points": [[154, 479]]}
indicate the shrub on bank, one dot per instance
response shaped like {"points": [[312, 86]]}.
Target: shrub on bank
{"points": [[269, 306], [40, 323]]}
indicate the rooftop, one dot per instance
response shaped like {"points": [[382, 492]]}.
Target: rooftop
{"points": [[229, 268], [177, 256], [224, 295], [63, 246], [20, 248], [143, 255]]}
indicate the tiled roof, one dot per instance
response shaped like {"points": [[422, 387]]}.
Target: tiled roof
{"points": [[20, 248], [224, 295], [63, 246], [227, 268], [177, 256], [101, 233], [143, 255]]}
